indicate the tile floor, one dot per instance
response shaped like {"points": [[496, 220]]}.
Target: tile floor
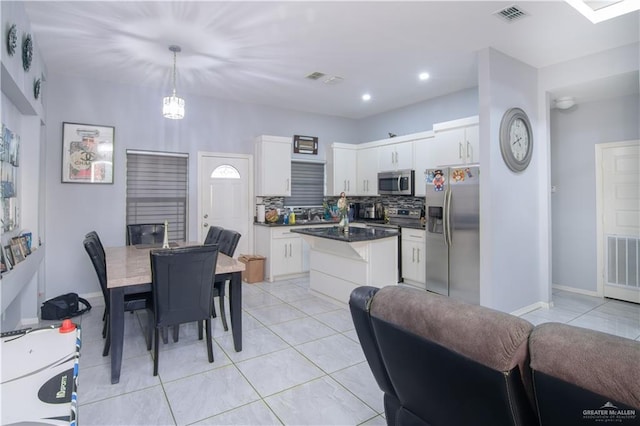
{"points": [[301, 364]]}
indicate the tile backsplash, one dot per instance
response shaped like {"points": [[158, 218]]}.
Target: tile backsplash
{"points": [[388, 201]]}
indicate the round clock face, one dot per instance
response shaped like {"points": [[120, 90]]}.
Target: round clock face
{"points": [[516, 139]]}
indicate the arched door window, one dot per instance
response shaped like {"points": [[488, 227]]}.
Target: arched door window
{"points": [[225, 171]]}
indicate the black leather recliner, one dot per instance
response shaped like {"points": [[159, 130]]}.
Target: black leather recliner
{"points": [[583, 376], [443, 362]]}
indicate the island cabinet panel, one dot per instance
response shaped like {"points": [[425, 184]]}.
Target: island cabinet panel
{"points": [[339, 263]]}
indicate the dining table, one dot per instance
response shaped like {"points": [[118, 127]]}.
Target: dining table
{"points": [[129, 271]]}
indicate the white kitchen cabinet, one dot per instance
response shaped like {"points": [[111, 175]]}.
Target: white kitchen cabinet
{"points": [[395, 156], [286, 253], [273, 166], [455, 142], [282, 250], [413, 261], [341, 169], [367, 172], [422, 152]]}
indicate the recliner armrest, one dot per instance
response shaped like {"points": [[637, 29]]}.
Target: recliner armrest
{"points": [[359, 304]]}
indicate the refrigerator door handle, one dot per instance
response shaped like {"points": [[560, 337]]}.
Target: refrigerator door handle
{"points": [[447, 217], [399, 178]]}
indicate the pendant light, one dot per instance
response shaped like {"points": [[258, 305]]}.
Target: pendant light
{"points": [[173, 106]]}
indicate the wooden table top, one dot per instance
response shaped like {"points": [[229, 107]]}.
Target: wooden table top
{"points": [[129, 265]]}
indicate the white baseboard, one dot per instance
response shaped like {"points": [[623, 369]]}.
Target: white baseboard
{"points": [[576, 290], [530, 308]]}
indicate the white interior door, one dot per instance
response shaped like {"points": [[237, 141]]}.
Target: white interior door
{"points": [[620, 207], [225, 196]]}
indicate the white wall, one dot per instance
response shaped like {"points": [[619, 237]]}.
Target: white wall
{"points": [[603, 65], [419, 117], [209, 125], [573, 136], [509, 220]]}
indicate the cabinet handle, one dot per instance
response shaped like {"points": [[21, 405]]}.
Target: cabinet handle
{"points": [[413, 256], [285, 250], [418, 255], [348, 186], [290, 250], [460, 150], [469, 150], [287, 187]]}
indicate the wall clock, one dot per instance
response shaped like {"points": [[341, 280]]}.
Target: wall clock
{"points": [[27, 52], [12, 40], [516, 139]]}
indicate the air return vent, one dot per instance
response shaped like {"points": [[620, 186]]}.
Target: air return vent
{"points": [[315, 75], [511, 13]]}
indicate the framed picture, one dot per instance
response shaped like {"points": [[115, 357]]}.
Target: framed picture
{"points": [[16, 251], [87, 153], [9, 255], [5, 263]]}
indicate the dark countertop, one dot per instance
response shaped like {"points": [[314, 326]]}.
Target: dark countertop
{"points": [[355, 234], [305, 222]]}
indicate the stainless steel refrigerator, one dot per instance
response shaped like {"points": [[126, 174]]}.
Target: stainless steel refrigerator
{"points": [[452, 256]]}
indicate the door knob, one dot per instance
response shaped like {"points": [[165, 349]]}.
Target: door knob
{"points": [[205, 224], [206, 215]]}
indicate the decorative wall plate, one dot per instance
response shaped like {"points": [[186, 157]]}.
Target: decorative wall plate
{"points": [[27, 52], [12, 39], [36, 88]]}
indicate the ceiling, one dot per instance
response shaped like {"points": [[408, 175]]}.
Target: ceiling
{"points": [[260, 52]]}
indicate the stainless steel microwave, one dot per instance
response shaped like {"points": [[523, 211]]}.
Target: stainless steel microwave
{"points": [[399, 182]]}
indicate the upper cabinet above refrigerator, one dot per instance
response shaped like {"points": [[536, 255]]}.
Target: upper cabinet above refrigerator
{"points": [[455, 142]]}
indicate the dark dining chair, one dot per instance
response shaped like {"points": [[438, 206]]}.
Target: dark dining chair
{"points": [[93, 235], [181, 287], [132, 302], [213, 235], [227, 243], [145, 233]]}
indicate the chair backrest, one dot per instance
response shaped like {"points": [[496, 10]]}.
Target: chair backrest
{"points": [[213, 235], [96, 254], [577, 370], [228, 241], [145, 233], [181, 283], [96, 238], [441, 361]]}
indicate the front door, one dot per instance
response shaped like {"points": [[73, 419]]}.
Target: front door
{"points": [[225, 197], [620, 218]]}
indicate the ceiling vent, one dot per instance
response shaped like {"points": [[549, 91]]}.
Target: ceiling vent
{"points": [[334, 79], [511, 13], [315, 75]]}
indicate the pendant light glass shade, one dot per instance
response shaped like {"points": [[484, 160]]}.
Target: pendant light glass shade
{"points": [[173, 106]]}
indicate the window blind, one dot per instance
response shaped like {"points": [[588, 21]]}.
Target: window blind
{"points": [[157, 190], [307, 184]]}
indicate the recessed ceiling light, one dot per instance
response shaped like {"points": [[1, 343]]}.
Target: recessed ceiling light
{"points": [[423, 76], [366, 97]]}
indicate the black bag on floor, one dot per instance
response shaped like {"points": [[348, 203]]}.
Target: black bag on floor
{"points": [[62, 307]]}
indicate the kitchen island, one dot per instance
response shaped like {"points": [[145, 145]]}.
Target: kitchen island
{"points": [[339, 262]]}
